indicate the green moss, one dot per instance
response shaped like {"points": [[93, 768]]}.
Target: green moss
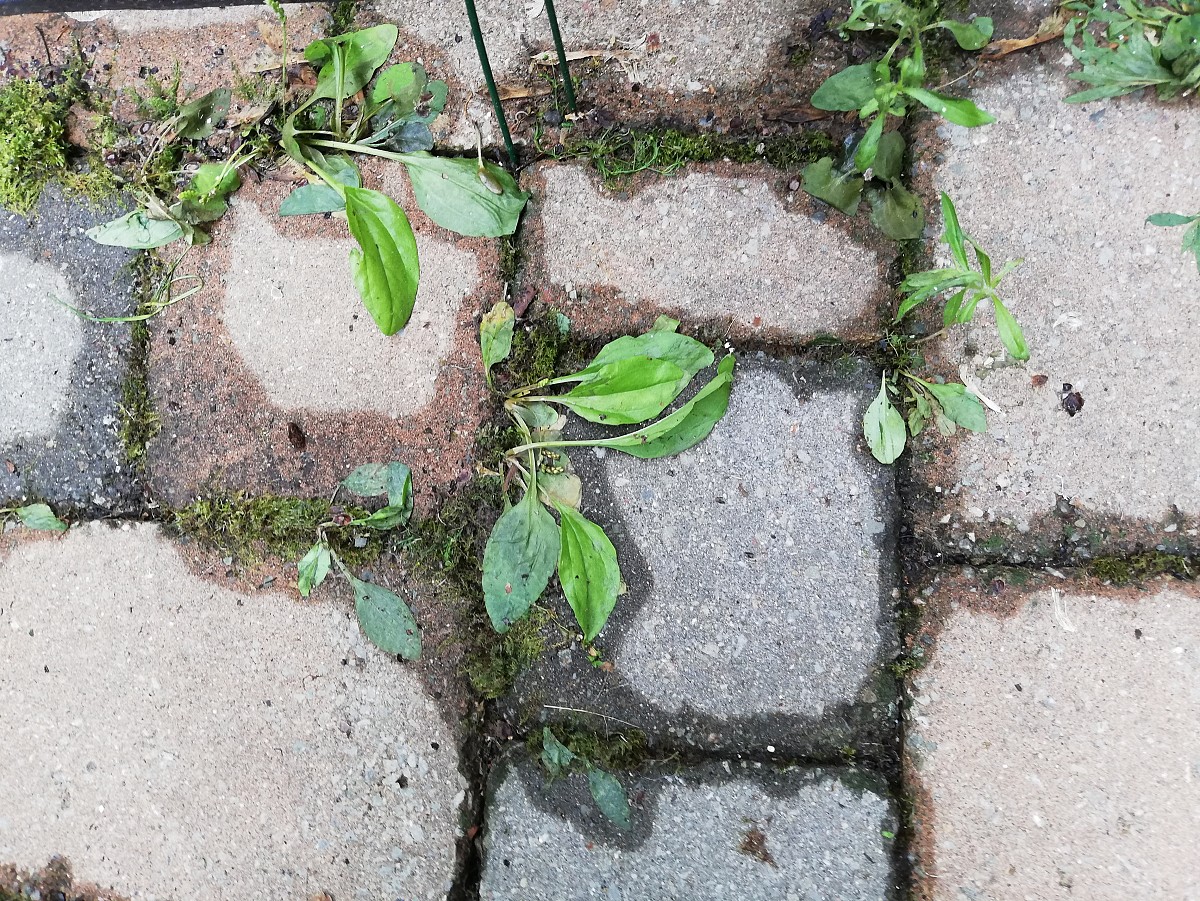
{"points": [[541, 350], [160, 99], [341, 17], [509, 258], [495, 662], [610, 750], [1140, 567]]}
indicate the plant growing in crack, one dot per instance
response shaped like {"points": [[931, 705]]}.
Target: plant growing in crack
{"points": [[887, 88], [356, 107], [35, 516], [632, 380], [606, 788], [383, 616], [948, 405], [1191, 236]]}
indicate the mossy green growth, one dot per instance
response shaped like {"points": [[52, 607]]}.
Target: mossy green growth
{"points": [[1140, 567], [541, 349], [341, 17], [34, 148], [160, 99], [616, 751]]}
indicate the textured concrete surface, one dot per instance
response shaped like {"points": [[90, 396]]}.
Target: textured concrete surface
{"points": [[759, 567], [1108, 304], [1058, 748], [174, 739], [707, 244], [278, 286], [61, 376], [713, 834]]}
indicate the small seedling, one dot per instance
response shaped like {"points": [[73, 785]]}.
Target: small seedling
{"points": [[632, 380], [948, 405], [1191, 237], [606, 789], [384, 618], [877, 90], [35, 516]]}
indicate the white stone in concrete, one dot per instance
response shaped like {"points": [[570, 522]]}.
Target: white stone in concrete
{"points": [[39, 341], [174, 739], [297, 320]]}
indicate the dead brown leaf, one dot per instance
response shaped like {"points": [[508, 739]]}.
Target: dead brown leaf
{"points": [[1050, 28]]}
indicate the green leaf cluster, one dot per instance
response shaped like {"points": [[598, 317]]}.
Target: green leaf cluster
{"points": [[631, 381], [887, 88], [1191, 236], [606, 789], [36, 516], [1143, 46]]}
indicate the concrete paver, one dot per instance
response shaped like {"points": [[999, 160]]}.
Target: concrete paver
{"points": [[709, 834], [175, 739], [709, 245], [1055, 745], [62, 375], [759, 567], [1108, 305]]}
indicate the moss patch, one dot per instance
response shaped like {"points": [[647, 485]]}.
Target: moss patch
{"points": [[341, 17], [1140, 567], [541, 350], [610, 750]]}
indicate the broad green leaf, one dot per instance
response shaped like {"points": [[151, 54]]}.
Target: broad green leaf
{"points": [[40, 517], [313, 568], [556, 757], [386, 518], [951, 310], [889, 157], [400, 488], [960, 112], [200, 118], [519, 559], [373, 479], [314, 198], [215, 179], [1010, 332], [363, 52], [959, 405], [897, 212], [539, 418], [560, 487], [985, 261], [1170, 220], [658, 344], [495, 336], [848, 89], [385, 265], [405, 136], [665, 324], [587, 570], [684, 428], [884, 427], [864, 156], [840, 190], [385, 619], [920, 414], [136, 231], [972, 35], [1191, 242], [609, 796], [626, 391], [403, 84], [452, 193], [952, 233]]}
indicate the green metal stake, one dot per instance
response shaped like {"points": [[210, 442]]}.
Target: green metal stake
{"points": [[491, 81], [562, 56]]}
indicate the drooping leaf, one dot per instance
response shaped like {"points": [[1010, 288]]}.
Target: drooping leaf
{"points": [[495, 336], [200, 118], [628, 390], [658, 344], [609, 796], [136, 231], [973, 35], [1191, 242], [587, 570], [960, 112], [1011, 335], [849, 89], [959, 405], [541, 419], [385, 619], [556, 757], [452, 194], [685, 427], [402, 84], [313, 568], [560, 487], [40, 517], [889, 156], [864, 155], [519, 559], [838, 189], [314, 198], [897, 212], [952, 232], [385, 265], [883, 427]]}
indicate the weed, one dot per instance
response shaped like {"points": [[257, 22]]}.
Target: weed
{"points": [[613, 750], [559, 758], [160, 99], [341, 17]]}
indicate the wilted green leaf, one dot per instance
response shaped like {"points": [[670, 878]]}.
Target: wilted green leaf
{"points": [[609, 796], [313, 568], [838, 189], [883, 427], [319, 197], [959, 405], [452, 194], [385, 619], [556, 757], [849, 89], [897, 212], [560, 487], [40, 517], [628, 390], [136, 231], [385, 266], [588, 571], [403, 84], [972, 35], [200, 118], [1191, 242], [495, 336], [889, 157], [1010, 332], [864, 155], [518, 561]]}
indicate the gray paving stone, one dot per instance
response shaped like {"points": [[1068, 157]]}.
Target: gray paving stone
{"points": [[707, 834], [711, 244], [1107, 303], [62, 376], [1055, 744], [760, 574], [175, 739]]}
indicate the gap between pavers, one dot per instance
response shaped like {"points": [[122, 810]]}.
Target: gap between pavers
{"points": [[1053, 745], [173, 738], [279, 335], [714, 245], [63, 376], [709, 833], [760, 573], [1108, 304]]}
